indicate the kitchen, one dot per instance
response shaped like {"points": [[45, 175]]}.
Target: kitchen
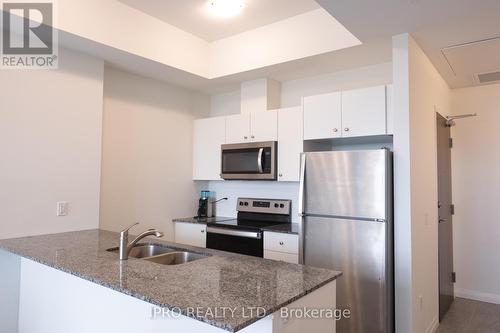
{"points": [[128, 134]]}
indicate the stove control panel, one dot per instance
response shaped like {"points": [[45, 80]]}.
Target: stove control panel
{"points": [[267, 206]]}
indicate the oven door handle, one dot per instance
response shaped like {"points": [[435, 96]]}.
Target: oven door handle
{"points": [[230, 232], [259, 160]]}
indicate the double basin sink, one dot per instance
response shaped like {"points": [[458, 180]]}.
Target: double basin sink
{"points": [[161, 254]]}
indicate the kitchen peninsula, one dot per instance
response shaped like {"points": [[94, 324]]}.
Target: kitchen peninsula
{"points": [[72, 282]]}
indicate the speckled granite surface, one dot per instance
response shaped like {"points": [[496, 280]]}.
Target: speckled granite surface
{"points": [[202, 220], [221, 280], [284, 228]]}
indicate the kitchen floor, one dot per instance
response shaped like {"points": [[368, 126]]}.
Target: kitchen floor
{"points": [[471, 316]]}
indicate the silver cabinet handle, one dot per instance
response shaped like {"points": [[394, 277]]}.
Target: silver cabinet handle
{"points": [[245, 137], [203, 231], [335, 130], [346, 129], [253, 137], [259, 160], [281, 175]]}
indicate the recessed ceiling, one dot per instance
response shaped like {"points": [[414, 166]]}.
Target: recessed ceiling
{"points": [[194, 17]]}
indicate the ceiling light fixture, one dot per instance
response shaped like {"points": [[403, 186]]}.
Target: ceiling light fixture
{"points": [[226, 8]]}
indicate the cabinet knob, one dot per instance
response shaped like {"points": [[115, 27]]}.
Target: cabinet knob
{"points": [[335, 130], [202, 231], [281, 243], [253, 137], [281, 175], [346, 129], [245, 137]]}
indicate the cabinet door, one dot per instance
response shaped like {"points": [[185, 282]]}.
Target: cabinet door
{"points": [[322, 116], [264, 126], [364, 112], [390, 109], [280, 256], [238, 128], [209, 134], [191, 234], [290, 143]]}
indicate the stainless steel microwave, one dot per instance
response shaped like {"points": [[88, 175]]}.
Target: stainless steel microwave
{"points": [[249, 161]]}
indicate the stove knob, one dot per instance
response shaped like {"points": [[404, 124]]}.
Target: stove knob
{"points": [[282, 205], [246, 203], [241, 203], [276, 205]]}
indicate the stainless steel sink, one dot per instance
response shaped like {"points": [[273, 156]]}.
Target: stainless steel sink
{"points": [[161, 254], [175, 258], [146, 250]]}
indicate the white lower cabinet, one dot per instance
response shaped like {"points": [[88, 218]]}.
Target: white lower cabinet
{"points": [[281, 246], [191, 234], [280, 256]]}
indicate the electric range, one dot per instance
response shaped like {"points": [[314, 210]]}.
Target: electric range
{"points": [[244, 234]]}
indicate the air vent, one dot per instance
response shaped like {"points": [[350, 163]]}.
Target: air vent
{"points": [[488, 77]]}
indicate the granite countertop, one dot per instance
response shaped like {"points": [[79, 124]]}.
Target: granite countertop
{"points": [[284, 228], [203, 220], [222, 279]]}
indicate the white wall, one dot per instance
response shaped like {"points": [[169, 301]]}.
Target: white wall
{"points": [[50, 144], [476, 185], [419, 92], [291, 95], [147, 152]]}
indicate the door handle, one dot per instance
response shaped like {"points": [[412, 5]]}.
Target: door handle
{"points": [[441, 220], [259, 160]]}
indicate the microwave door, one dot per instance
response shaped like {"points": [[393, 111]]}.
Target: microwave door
{"points": [[251, 161]]}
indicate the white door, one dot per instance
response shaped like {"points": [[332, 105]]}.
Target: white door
{"points": [[209, 135], [191, 234], [264, 126], [238, 128], [364, 112], [322, 116], [290, 143]]}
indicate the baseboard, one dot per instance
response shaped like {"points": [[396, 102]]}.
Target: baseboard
{"points": [[433, 326], [477, 295]]}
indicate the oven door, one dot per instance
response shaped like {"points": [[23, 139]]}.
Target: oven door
{"points": [[249, 161], [238, 241]]}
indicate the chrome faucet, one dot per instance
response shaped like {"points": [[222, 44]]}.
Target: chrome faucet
{"points": [[125, 247]]}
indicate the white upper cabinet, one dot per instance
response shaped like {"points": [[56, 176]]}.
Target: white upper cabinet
{"points": [[209, 135], [322, 116], [364, 112], [252, 127], [238, 128], [290, 141], [264, 126], [390, 109]]}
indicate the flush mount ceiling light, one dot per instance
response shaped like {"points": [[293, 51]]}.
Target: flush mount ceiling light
{"points": [[226, 8]]}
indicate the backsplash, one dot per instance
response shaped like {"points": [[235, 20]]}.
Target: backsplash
{"points": [[253, 189]]}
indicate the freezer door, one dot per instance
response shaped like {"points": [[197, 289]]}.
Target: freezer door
{"points": [[358, 249], [346, 183]]}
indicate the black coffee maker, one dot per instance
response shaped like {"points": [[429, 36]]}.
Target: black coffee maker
{"points": [[205, 205]]}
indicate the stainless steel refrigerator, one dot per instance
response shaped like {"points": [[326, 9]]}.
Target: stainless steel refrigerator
{"points": [[346, 224]]}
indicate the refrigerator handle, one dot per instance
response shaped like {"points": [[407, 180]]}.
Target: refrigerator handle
{"points": [[301, 207], [301, 184]]}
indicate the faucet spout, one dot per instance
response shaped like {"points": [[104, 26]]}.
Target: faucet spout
{"points": [[125, 247]]}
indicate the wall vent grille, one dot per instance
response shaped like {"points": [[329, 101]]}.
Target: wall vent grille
{"points": [[489, 77]]}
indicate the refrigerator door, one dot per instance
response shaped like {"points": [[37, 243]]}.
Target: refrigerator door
{"points": [[357, 248], [346, 184]]}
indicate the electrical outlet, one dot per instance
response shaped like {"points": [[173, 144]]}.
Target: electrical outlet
{"points": [[62, 208]]}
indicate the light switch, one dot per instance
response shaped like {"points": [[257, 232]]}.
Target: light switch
{"points": [[62, 208]]}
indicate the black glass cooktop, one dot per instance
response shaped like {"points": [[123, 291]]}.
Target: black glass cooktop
{"points": [[243, 224]]}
